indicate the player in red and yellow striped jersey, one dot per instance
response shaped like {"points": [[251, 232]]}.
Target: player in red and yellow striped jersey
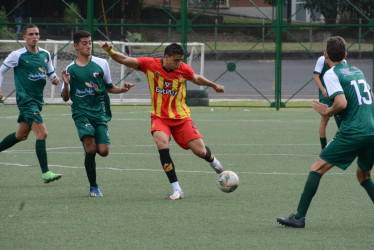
{"points": [[170, 115]]}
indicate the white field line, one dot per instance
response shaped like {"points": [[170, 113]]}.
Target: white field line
{"points": [[179, 170]]}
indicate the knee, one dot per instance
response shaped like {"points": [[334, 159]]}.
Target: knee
{"points": [[22, 137], [103, 150], [200, 152], [362, 176], [90, 149], [43, 135], [103, 153]]}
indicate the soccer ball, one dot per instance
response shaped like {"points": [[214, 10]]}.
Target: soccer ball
{"points": [[228, 181]]}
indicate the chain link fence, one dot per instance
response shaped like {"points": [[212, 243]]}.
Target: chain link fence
{"points": [[258, 49]]}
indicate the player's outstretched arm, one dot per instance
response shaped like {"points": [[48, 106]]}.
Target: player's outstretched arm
{"points": [[119, 57], [115, 90], [65, 91], [202, 81]]}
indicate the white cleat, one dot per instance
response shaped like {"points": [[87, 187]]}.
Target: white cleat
{"points": [[216, 165], [177, 195]]}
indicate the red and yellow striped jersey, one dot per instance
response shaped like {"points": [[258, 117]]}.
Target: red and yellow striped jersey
{"points": [[168, 89]]}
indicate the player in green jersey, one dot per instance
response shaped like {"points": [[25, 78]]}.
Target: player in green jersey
{"points": [[352, 97], [87, 81], [32, 65]]}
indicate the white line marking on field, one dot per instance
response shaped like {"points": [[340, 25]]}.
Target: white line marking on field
{"points": [[179, 170], [14, 164], [151, 154]]}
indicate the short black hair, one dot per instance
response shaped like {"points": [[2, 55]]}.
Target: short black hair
{"points": [[174, 49], [336, 48], [80, 34], [28, 26]]}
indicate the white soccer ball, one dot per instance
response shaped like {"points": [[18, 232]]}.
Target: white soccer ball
{"points": [[228, 181]]}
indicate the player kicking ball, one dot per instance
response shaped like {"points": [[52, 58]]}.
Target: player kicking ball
{"points": [[170, 115]]}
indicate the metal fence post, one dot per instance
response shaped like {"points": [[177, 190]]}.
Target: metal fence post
{"points": [[278, 54], [183, 27]]}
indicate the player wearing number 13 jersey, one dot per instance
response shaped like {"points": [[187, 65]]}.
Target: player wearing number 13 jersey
{"points": [[353, 99], [170, 115]]}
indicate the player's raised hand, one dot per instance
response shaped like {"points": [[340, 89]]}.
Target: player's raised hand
{"points": [[65, 76], [105, 46], [219, 88], [55, 80], [127, 86]]}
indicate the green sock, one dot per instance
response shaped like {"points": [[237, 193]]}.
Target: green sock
{"points": [[310, 190], [323, 142], [8, 142], [90, 165], [369, 187], [41, 153]]}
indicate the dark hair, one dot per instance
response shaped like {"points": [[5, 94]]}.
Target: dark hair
{"points": [[174, 49], [336, 48], [28, 26], [80, 34]]}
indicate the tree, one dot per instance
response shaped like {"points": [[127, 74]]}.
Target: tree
{"points": [[287, 3], [327, 8], [71, 15]]}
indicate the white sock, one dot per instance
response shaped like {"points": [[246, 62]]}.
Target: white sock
{"points": [[176, 186], [214, 162]]}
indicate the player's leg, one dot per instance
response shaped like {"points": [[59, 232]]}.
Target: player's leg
{"points": [[41, 134], [319, 168], [162, 141], [21, 134], [198, 147], [366, 182], [340, 152], [322, 131], [365, 163], [90, 149], [187, 135], [102, 140]]}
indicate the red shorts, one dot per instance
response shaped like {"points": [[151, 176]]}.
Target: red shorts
{"points": [[182, 130]]}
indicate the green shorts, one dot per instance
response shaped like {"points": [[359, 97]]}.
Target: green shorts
{"points": [[99, 130], [30, 114], [341, 152]]}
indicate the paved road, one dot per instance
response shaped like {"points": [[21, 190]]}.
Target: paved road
{"points": [[253, 79]]}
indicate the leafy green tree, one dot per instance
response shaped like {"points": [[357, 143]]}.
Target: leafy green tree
{"points": [[71, 15]]}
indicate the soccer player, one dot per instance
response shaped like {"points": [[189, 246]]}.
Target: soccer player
{"points": [[32, 65], [170, 115], [319, 71], [87, 81], [347, 86]]}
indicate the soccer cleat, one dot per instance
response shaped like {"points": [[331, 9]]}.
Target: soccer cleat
{"points": [[95, 192], [216, 165], [291, 221], [177, 195], [49, 176]]}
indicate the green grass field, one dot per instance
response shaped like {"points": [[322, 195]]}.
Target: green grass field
{"points": [[270, 150]]}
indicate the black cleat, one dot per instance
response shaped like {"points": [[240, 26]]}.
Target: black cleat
{"points": [[291, 221]]}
